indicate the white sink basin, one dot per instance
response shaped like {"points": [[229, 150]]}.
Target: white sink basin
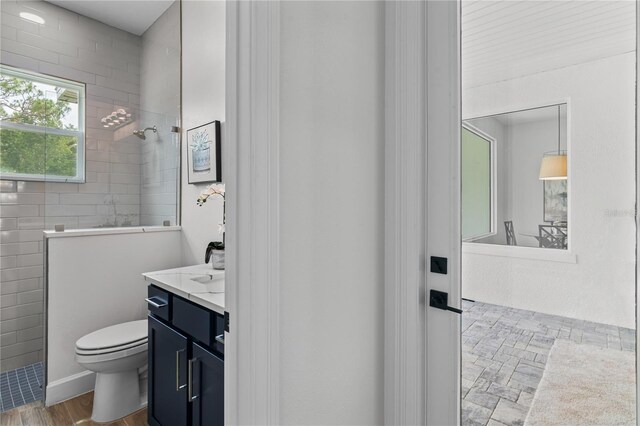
{"points": [[212, 284]]}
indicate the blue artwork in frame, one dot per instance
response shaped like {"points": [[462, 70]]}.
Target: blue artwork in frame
{"points": [[204, 159]]}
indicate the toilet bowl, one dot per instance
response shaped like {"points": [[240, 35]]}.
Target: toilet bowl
{"points": [[118, 356]]}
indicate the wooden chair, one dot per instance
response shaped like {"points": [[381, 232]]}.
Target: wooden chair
{"points": [[511, 234]]}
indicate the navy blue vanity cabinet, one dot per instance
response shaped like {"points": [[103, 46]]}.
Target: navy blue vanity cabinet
{"points": [[167, 375], [208, 387], [186, 362]]}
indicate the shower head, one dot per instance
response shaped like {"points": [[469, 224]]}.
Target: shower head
{"points": [[140, 133]]}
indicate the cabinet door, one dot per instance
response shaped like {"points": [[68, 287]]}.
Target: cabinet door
{"points": [[167, 376], [207, 387]]}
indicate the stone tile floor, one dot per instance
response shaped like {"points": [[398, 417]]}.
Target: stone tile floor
{"points": [[504, 353]]}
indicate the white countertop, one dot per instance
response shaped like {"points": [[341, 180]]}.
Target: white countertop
{"points": [[200, 284]]}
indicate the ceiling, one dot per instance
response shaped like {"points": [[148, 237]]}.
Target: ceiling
{"points": [[133, 16], [507, 39]]}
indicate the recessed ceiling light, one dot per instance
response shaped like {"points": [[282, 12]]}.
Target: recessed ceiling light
{"points": [[32, 17]]}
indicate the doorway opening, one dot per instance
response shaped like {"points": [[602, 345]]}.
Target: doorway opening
{"points": [[548, 169]]}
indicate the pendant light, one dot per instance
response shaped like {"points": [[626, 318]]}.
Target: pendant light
{"points": [[554, 164]]}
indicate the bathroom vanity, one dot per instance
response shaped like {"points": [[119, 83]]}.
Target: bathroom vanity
{"points": [[186, 346]]}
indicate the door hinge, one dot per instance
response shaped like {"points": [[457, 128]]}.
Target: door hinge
{"points": [[226, 321]]}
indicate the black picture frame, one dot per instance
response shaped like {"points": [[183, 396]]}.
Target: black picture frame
{"points": [[204, 165]]}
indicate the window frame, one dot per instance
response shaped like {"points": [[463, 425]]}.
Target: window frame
{"points": [[79, 134], [493, 202]]}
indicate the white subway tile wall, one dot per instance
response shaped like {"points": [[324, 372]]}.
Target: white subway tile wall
{"points": [[21, 275], [108, 60]]}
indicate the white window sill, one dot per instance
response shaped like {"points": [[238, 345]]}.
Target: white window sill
{"points": [[518, 252], [479, 237], [41, 178], [109, 231]]}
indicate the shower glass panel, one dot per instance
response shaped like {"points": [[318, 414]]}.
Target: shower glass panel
{"points": [[130, 121], [128, 181], [68, 152]]}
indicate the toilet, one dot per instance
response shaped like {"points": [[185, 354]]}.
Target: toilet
{"points": [[118, 356]]}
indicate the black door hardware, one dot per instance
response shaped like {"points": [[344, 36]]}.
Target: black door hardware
{"points": [[440, 300], [439, 265]]}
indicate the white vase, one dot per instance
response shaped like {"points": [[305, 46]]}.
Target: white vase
{"points": [[201, 160], [217, 259]]}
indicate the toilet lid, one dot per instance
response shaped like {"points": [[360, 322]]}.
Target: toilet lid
{"points": [[115, 336]]}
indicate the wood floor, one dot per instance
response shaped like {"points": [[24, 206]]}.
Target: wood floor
{"points": [[76, 411]]}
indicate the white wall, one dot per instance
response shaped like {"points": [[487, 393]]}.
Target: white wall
{"points": [[332, 171], [88, 276], [203, 100], [600, 287]]}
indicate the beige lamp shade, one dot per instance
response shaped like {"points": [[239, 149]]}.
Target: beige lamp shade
{"points": [[553, 167]]}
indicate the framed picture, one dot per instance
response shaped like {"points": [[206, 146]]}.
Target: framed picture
{"points": [[555, 200], [204, 159]]}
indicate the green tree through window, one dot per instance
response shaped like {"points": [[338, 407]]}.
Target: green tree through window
{"points": [[38, 138]]}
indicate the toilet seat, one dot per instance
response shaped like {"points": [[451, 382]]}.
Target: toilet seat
{"points": [[95, 357], [116, 341], [115, 336], [110, 350]]}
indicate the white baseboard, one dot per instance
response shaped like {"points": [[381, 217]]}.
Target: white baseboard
{"points": [[70, 387]]}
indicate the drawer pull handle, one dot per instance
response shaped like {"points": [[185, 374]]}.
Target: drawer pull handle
{"points": [[178, 386], [155, 304], [220, 338], [191, 396]]}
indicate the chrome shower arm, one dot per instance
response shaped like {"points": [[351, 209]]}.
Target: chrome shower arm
{"points": [[140, 133]]}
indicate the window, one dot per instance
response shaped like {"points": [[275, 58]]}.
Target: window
{"points": [[41, 127], [477, 184]]}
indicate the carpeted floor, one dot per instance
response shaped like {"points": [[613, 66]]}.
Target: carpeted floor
{"points": [[585, 385]]}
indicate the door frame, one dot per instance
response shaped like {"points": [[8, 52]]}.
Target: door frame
{"points": [[636, 212], [252, 295], [422, 180]]}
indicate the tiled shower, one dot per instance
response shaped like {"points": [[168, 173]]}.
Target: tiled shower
{"points": [[128, 182]]}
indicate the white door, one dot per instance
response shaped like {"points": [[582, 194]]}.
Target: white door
{"points": [[422, 191], [443, 212]]}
